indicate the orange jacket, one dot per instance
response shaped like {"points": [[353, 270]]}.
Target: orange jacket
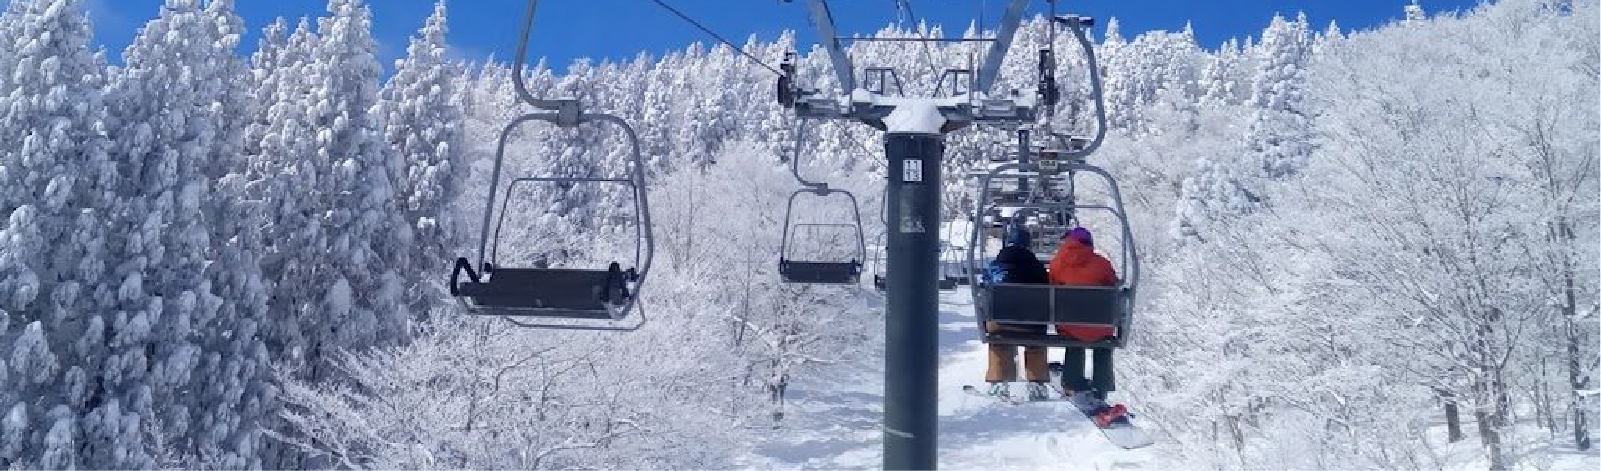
{"points": [[1076, 264]]}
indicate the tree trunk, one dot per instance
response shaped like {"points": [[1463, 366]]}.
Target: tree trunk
{"points": [[1453, 417], [689, 225], [1545, 405], [1490, 399], [1577, 380], [1490, 435], [1237, 435]]}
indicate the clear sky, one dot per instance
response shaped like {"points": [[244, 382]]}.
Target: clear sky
{"points": [[568, 29]]}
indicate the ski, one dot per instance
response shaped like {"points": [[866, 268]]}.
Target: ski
{"points": [[1013, 400], [1114, 422]]}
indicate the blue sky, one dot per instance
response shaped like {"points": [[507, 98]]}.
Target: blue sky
{"points": [[568, 29]]}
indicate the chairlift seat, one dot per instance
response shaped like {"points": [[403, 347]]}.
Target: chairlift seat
{"points": [[1010, 197], [548, 292], [827, 273]]}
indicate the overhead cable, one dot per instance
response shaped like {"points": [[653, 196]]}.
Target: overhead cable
{"points": [[714, 34]]}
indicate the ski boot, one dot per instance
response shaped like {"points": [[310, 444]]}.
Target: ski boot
{"points": [[1037, 391], [1001, 390]]}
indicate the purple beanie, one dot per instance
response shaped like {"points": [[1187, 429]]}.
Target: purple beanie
{"points": [[1082, 235]]}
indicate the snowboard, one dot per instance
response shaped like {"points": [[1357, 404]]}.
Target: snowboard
{"points": [[1121, 432]]}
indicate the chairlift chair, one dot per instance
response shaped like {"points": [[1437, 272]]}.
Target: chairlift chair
{"points": [[814, 271], [535, 296], [1050, 304], [952, 266], [821, 272]]}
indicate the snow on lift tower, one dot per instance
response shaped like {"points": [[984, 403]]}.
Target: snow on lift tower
{"points": [[539, 297], [914, 145], [1046, 304]]}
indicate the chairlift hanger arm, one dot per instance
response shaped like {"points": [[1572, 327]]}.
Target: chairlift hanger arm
{"points": [[821, 188], [567, 110], [1076, 25], [823, 20], [1003, 42]]}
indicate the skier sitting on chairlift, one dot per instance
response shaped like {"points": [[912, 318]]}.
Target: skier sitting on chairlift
{"points": [[1077, 264], [1017, 264]]}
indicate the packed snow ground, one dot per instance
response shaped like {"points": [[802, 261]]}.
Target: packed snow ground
{"points": [[833, 420]]}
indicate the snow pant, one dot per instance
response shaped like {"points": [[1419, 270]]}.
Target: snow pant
{"points": [[1003, 358], [1073, 372]]}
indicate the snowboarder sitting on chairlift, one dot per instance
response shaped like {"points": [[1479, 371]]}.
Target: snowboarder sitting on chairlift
{"points": [[1077, 264], [1017, 264]]}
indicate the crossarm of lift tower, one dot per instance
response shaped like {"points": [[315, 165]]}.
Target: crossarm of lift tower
{"points": [[923, 115]]}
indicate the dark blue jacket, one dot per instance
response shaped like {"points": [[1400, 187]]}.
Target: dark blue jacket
{"points": [[1017, 264]]}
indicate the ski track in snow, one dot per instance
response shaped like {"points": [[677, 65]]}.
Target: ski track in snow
{"points": [[833, 420]]}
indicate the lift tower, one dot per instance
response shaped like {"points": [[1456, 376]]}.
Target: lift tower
{"points": [[914, 145]]}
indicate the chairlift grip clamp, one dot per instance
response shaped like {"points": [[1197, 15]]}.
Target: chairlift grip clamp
{"points": [[569, 112], [1081, 21], [788, 91], [1050, 92]]}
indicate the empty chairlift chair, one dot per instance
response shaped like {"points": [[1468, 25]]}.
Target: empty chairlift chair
{"points": [[833, 272], [534, 296], [521, 292], [829, 272]]}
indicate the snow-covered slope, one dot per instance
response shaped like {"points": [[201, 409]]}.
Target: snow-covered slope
{"points": [[833, 420]]}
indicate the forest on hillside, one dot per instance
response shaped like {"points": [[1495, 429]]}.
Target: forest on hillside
{"points": [[1362, 248]]}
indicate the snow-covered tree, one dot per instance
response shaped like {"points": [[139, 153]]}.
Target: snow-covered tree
{"points": [[175, 132], [328, 187], [56, 182], [357, 292], [1279, 136], [1415, 13], [421, 106]]}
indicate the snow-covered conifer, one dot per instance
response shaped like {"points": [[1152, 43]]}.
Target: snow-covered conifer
{"points": [[1279, 136], [422, 111], [55, 185]]}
